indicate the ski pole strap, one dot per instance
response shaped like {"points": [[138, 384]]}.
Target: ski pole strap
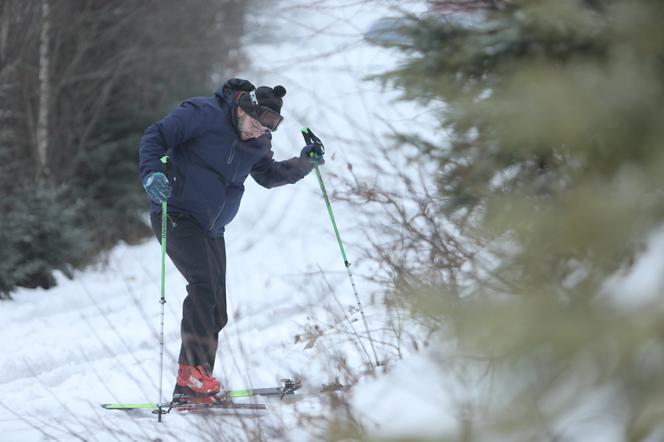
{"points": [[164, 161], [310, 138]]}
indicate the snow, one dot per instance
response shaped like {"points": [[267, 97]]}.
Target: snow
{"points": [[95, 338], [641, 286], [426, 408]]}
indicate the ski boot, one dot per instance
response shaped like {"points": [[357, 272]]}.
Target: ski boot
{"points": [[195, 384]]}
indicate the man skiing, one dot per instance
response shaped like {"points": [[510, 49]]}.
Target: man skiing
{"points": [[213, 144]]}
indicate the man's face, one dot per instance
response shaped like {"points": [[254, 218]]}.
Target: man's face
{"points": [[249, 127]]}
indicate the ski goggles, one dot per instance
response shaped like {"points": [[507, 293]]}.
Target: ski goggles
{"points": [[263, 114]]}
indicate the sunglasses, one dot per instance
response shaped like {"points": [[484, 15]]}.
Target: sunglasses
{"points": [[263, 114]]}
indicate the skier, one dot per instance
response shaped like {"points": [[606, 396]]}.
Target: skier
{"points": [[213, 144]]}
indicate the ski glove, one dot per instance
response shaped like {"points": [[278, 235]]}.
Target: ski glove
{"points": [[157, 187], [314, 152]]}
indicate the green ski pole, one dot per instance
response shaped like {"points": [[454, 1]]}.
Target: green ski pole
{"points": [[310, 138], [162, 300]]}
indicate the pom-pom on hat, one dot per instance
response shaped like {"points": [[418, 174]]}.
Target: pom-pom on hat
{"points": [[271, 97]]}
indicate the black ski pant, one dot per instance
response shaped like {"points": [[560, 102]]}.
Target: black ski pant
{"points": [[202, 261]]}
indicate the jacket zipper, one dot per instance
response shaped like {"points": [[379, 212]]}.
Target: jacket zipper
{"points": [[231, 155], [229, 160]]}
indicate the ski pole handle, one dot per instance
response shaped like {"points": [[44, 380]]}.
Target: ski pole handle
{"points": [[310, 138]]}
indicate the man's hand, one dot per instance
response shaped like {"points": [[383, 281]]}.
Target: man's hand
{"points": [[157, 187], [314, 152]]}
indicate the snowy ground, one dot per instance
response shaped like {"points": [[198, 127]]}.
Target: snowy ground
{"points": [[95, 339]]}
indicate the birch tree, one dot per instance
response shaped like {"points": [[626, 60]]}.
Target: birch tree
{"points": [[79, 82], [44, 89]]}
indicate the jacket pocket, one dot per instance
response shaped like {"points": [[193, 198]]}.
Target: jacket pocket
{"points": [[177, 179], [233, 198]]}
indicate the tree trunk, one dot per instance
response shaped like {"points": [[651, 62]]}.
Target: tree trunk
{"points": [[44, 92]]}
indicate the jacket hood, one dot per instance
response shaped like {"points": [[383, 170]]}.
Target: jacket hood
{"points": [[228, 89], [225, 92]]}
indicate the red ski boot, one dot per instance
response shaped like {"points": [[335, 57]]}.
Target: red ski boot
{"points": [[197, 379]]}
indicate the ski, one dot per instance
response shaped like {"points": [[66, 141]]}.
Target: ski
{"points": [[224, 405], [287, 387], [223, 400], [166, 407]]}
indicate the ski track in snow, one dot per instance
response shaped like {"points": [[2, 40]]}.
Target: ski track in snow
{"points": [[95, 339]]}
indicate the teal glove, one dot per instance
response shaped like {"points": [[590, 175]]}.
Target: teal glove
{"points": [[156, 185]]}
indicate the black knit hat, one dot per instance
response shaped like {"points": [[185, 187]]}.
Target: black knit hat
{"points": [[270, 97], [264, 104]]}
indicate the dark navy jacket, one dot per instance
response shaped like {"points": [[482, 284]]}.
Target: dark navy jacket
{"points": [[208, 162]]}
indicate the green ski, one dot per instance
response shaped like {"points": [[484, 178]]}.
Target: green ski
{"points": [[167, 407], [224, 399]]}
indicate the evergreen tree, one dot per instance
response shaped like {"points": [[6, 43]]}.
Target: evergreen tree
{"points": [[39, 231], [550, 176]]}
